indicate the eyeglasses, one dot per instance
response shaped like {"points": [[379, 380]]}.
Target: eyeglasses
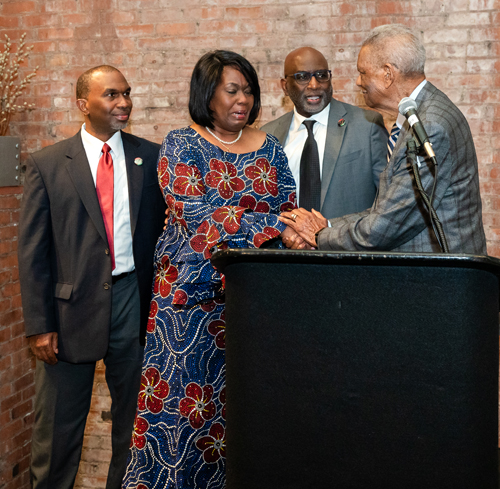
{"points": [[304, 77]]}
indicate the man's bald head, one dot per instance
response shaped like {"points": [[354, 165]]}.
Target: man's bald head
{"points": [[303, 56], [312, 97]]}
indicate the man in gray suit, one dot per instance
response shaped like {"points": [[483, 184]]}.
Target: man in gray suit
{"points": [[351, 142], [391, 67], [92, 212]]}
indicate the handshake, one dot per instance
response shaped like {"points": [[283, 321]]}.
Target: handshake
{"points": [[302, 227]]}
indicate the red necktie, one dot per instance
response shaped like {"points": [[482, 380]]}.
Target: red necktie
{"points": [[104, 187]]}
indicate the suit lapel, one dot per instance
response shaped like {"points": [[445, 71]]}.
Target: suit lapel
{"points": [[78, 168], [333, 143], [283, 126], [135, 176]]}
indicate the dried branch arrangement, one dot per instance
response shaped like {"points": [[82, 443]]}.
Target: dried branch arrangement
{"points": [[10, 84]]}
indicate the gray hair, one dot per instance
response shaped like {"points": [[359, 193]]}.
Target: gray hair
{"points": [[398, 45]]}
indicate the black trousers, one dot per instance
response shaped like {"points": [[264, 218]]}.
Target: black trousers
{"points": [[64, 392]]}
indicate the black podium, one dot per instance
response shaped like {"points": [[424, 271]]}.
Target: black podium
{"points": [[361, 370]]}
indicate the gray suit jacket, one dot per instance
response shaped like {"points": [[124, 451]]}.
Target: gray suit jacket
{"points": [[398, 220], [354, 157], [64, 266]]}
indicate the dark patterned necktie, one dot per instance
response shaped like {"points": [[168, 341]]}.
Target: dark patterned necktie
{"points": [[393, 137], [105, 194], [310, 181]]}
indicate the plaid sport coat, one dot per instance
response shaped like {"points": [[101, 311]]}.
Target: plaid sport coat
{"points": [[398, 219]]}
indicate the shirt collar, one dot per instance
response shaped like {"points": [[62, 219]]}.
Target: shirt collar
{"points": [[401, 118], [321, 117], [114, 142]]}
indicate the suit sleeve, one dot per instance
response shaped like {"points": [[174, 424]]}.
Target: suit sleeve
{"points": [[398, 214], [34, 249]]}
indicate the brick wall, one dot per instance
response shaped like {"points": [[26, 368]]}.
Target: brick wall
{"points": [[16, 364], [156, 44]]}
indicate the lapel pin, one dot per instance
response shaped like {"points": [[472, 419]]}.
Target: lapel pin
{"points": [[138, 161], [341, 122]]}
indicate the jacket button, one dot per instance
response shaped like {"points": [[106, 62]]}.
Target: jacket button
{"points": [[106, 286], [106, 251]]}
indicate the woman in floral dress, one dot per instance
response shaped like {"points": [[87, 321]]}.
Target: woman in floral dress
{"points": [[225, 184]]}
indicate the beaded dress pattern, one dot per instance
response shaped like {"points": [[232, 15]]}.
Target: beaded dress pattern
{"points": [[217, 200]]}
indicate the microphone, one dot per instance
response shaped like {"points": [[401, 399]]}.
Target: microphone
{"points": [[408, 108]]}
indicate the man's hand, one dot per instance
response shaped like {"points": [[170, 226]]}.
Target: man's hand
{"points": [[293, 241], [44, 347], [306, 224]]}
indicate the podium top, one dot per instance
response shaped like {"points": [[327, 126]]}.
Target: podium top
{"points": [[224, 258]]}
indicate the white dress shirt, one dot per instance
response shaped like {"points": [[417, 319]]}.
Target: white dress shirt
{"points": [[297, 135], [122, 231], [401, 118]]}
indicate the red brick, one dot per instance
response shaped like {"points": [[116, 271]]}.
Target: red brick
{"points": [[17, 7], [22, 409], [9, 261], [14, 345], [176, 29], [28, 393], [55, 33], [37, 20], [5, 331], [16, 301], [9, 402], [88, 5], [10, 317], [10, 202], [59, 6], [5, 247], [244, 13], [24, 381], [117, 17], [11, 190], [22, 437], [21, 356], [400, 7], [76, 19], [15, 273], [347, 8], [135, 30], [9, 21]]}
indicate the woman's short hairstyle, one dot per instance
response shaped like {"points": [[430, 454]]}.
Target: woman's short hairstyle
{"points": [[206, 77]]}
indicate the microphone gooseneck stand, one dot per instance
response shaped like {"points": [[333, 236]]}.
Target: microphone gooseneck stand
{"points": [[437, 227]]}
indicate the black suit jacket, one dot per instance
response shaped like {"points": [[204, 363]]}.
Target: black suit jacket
{"points": [[64, 262]]}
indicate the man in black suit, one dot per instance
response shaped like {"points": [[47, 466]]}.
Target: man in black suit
{"points": [[92, 212], [351, 142]]}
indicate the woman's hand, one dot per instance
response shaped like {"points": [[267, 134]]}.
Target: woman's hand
{"points": [[293, 241], [306, 224], [167, 214]]}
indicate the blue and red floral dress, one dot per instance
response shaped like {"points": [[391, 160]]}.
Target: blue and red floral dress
{"points": [[217, 200]]}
